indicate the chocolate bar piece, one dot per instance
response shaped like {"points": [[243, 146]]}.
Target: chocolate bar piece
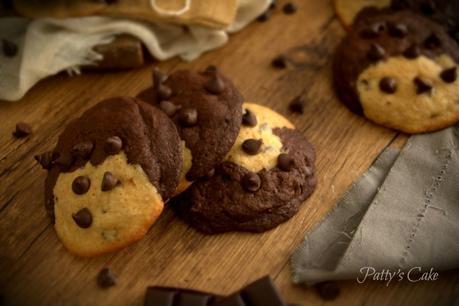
{"points": [[166, 296]]}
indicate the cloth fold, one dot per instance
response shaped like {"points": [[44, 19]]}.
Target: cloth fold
{"points": [[401, 214]]}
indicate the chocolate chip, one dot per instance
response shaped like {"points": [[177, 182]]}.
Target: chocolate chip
{"points": [[398, 30], [46, 159], [188, 117], [251, 182], [249, 118], [211, 69], [432, 41], [376, 53], [164, 92], [279, 61], [421, 86], [285, 162], [328, 290], [388, 85], [412, 52], [83, 218], [297, 105], [168, 107], [158, 77], [289, 8], [64, 162], [81, 184], [373, 30], [106, 278], [264, 17], [82, 150], [109, 181], [215, 85], [113, 145], [252, 146], [449, 75], [10, 49], [22, 130], [209, 174]]}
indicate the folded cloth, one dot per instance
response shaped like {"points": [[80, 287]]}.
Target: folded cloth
{"points": [[48, 46], [400, 215]]}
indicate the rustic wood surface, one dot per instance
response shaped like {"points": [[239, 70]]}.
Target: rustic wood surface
{"points": [[35, 269]]}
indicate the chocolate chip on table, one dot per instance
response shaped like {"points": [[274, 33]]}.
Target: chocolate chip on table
{"points": [[109, 181], [113, 145], [252, 146], [388, 85], [249, 118], [83, 218], [164, 92], [398, 30], [215, 85], [412, 52], [285, 162], [449, 75], [421, 86], [158, 77], [10, 49], [168, 107], [46, 159], [432, 42], [82, 150], [81, 184], [251, 182], [376, 53], [22, 130], [106, 278], [289, 8], [297, 105], [188, 117], [279, 61], [328, 290]]}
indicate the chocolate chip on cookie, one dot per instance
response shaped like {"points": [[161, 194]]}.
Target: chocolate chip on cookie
{"points": [[81, 184], [158, 77], [109, 181], [432, 41], [249, 118], [168, 107], [46, 159], [373, 30], [188, 117], [83, 218], [449, 75], [252, 146], [412, 51], [83, 149], [251, 182], [421, 86], [215, 85], [398, 30], [285, 162], [388, 85], [113, 145], [376, 53]]}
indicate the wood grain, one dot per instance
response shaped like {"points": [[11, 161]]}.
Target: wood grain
{"points": [[35, 269]]}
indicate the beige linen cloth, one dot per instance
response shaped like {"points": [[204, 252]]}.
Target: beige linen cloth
{"points": [[403, 213], [48, 46]]}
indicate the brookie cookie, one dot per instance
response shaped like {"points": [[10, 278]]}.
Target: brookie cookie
{"points": [[109, 175], [399, 70], [206, 108], [267, 174]]}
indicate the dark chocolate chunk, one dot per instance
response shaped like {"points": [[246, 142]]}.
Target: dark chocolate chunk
{"points": [[215, 85], [160, 296], [297, 105], [158, 77], [398, 30], [83, 150], [64, 162], [164, 92], [449, 75], [113, 145], [188, 117], [412, 52], [46, 159], [373, 30], [83, 218], [262, 292], [232, 300], [432, 42], [289, 8], [109, 181], [251, 182], [165, 296], [22, 130], [421, 86], [10, 49], [285, 162], [168, 107], [249, 118], [376, 53], [279, 61], [328, 290], [81, 184], [106, 278], [388, 85], [252, 146], [186, 298]]}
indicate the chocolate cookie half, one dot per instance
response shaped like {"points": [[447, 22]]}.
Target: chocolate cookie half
{"points": [[399, 70], [267, 174], [206, 108]]}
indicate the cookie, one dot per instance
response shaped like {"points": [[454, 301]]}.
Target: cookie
{"points": [[267, 174], [347, 10], [111, 171], [399, 70], [207, 110]]}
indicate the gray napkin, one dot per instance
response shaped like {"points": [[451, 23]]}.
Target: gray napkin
{"points": [[400, 215]]}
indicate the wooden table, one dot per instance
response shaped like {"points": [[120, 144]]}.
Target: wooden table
{"points": [[35, 269]]}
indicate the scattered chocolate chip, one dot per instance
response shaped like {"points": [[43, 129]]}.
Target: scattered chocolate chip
{"points": [[22, 130], [432, 41], [164, 92], [265, 16], [64, 162], [215, 85], [427, 8], [158, 77], [83, 218], [188, 117], [81, 184], [249, 118], [373, 30], [113, 145], [46, 159], [388, 85], [289, 8], [10, 49], [449, 75], [398, 30], [297, 105], [412, 52], [106, 278], [82, 150], [421, 86], [168, 107], [252, 146], [109, 181], [285, 162], [328, 290], [279, 61], [251, 182], [376, 53]]}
